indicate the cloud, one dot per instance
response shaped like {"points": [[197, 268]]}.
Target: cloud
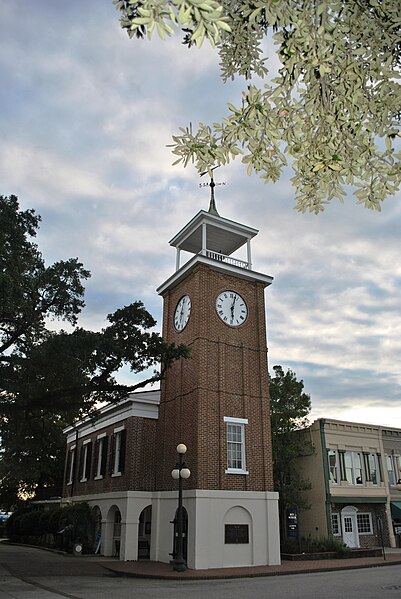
{"points": [[86, 115]]}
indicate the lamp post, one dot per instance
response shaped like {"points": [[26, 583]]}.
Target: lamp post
{"points": [[180, 471]]}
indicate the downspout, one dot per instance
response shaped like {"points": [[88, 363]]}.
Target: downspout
{"points": [[326, 475]]}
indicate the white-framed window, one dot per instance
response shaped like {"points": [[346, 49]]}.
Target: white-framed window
{"points": [[373, 465], [117, 458], [392, 480], [335, 525], [86, 460], [332, 456], [235, 428], [101, 455], [353, 467], [364, 523], [71, 464]]}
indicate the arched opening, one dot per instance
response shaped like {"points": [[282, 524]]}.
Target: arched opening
{"points": [[97, 541], [144, 532], [184, 534], [117, 533]]}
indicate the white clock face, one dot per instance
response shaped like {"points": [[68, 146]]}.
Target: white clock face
{"points": [[182, 313], [231, 308]]}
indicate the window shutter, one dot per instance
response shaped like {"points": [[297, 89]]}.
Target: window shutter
{"points": [[89, 460], [112, 453], [123, 439], [96, 458], [68, 467], [81, 462], [104, 455]]}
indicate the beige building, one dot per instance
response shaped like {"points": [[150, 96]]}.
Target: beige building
{"points": [[354, 471]]}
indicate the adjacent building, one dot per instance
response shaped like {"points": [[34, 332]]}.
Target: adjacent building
{"points": [[353, 471]]}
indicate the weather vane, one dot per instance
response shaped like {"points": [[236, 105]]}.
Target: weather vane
{"points": [[212, 185]]}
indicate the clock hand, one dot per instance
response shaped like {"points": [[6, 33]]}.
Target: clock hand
{"points": [[232, 309]]}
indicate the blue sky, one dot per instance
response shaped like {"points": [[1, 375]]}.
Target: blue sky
{"points": [[85, 118]]}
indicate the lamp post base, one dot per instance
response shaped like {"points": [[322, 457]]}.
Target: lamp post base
{"points": [[179, 565]]}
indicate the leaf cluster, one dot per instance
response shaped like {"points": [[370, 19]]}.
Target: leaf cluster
{"points": [[333, 111], [49, 379], [289, 410]]}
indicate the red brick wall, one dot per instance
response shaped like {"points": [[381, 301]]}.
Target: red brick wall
{"points": [[225, 376], [139, 470]]}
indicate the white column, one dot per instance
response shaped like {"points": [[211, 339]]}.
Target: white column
{"points": [[204, 239], [177, 259], [129, 541], [249, 257], [273, 529], [107, 537]]}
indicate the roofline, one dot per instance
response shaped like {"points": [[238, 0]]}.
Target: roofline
{"points": [[248, 232], [241, 273], [104, 412]]}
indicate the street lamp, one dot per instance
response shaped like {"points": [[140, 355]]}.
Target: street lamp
{"points": [[180, 471]]}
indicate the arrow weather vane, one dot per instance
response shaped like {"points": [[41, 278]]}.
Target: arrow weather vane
{"points": [[212, 185]]}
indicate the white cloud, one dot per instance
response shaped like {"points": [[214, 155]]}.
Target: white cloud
{"points": [[86, 115]]}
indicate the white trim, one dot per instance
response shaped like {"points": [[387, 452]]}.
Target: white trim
{"points": [[235, 420], [144, 404], [119, 429], [236, 471], [240, 273], [73, 460], [98, 457], [337, 517], [87, 441], [369, 515]]}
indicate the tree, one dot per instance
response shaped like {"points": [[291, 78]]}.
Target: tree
{"points": [[333, 111], [289, 407], [48, 379]]}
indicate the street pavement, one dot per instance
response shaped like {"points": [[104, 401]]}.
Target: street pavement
{"points": [[33, 573], [23, 561]]}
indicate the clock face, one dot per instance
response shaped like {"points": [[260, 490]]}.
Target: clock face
{"points": [[182, 313], [231, 308]]}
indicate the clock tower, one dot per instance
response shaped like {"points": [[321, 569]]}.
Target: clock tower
{"points": [[217, 401]]}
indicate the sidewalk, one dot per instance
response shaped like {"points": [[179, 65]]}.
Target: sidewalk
{"points": [[148, 569]]}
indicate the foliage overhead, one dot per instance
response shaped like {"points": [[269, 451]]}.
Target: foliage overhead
{"points": [[333, 111], [289, 410], [48, 379]]}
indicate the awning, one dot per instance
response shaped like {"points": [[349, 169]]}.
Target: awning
{"points": [[359, 499], [396, 510]]}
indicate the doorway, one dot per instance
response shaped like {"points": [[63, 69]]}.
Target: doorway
{"points": [[349, 525]]}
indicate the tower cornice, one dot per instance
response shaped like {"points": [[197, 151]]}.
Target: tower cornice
{"points": [[215, 264]]}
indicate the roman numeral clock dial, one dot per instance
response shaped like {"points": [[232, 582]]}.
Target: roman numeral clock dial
{"points": [[182, 313], [231, 308]]}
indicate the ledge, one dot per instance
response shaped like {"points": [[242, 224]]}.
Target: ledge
{"points": [[352, 553]]}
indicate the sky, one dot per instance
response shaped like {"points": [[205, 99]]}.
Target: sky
{"points": [[86, 115]]}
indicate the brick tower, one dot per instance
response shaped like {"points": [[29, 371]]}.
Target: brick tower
{"points": [[217, 401]]}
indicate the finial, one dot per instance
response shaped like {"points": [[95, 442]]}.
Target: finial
{"points": [[212, 204], [212, 185]]}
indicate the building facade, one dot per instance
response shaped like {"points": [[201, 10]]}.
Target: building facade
{"points": [[353, 475], [216, 403]]}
